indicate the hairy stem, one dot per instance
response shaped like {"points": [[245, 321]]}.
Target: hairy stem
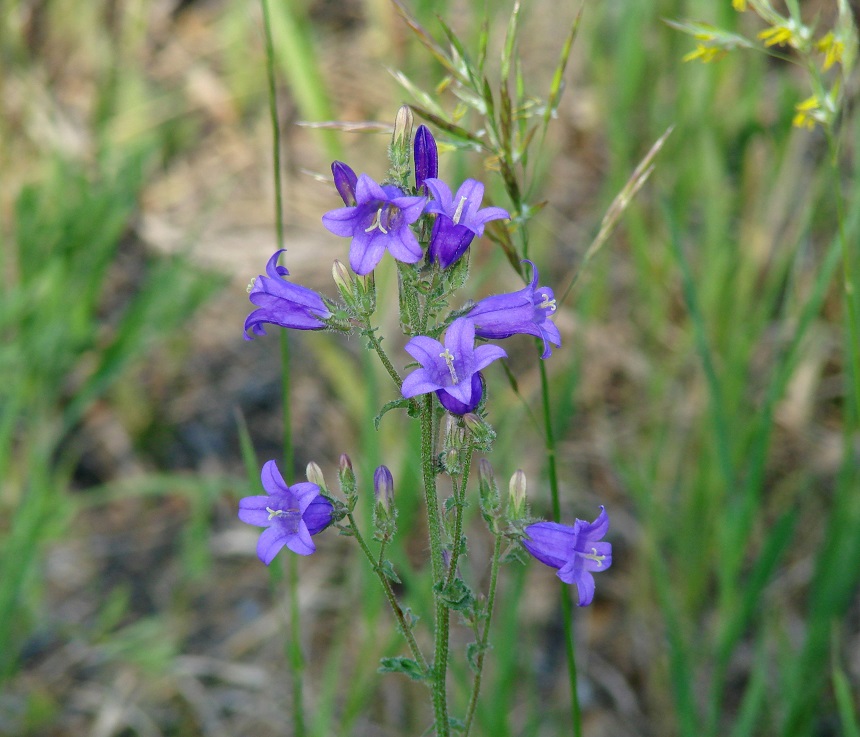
{"points": [[376, 344], [485, 635], [441, 613], [405, 626], [460, 498]]}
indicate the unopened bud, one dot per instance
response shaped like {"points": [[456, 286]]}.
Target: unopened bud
{"points": [[451, 462], [346, 475], [426, 157], [400, 150], [517, 495], [315, 475], [403, 127], [383, 487], [482, 431], [345, 181], [345, 284]]}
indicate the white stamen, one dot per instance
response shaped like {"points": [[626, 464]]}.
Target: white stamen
{"points": [[251, 284], [459, 211], [594, 556], [449, 360], [377, 223], [281, 512], [547, 304]]}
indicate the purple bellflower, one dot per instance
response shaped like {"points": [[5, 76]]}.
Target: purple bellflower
{"points": [[426, 158], [379, 220], [281, 303], [524, 312], [458, 219], [450, 370], [576, 551], [290, 514]]}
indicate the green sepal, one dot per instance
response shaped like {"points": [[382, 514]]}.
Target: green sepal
{"points": [[457, 595], [388, 571], [407, 666], [515, 555], [473, 650]]}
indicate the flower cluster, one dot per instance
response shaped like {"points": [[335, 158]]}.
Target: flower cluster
{"points": [[428, 229], [818, 55]]}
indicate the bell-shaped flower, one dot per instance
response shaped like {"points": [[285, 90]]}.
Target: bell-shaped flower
{"points": [[281, 303], [426, 157], [450, 370], [527, 312], [379, 220], [458, 219], [575, 551], [290, 514]]}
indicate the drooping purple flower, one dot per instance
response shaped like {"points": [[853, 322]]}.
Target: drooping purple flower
{"points": [[379, 220], [576, 551], [450, 370], [426, 157], [290, 514], [282, 303], [526, 312], [458, 219], [344, 181]]}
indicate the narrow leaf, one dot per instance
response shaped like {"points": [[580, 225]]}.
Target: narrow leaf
{"points": [[556, 86]]}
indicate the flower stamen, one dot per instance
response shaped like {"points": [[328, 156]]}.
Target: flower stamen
{"points": [[547, 304], [377, 223], [281, 512], [458, 213], [251, 284], [449, 360], [594, 556]]}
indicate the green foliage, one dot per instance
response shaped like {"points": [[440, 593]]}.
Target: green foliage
{"points": [[405, 666], [61, 351]]}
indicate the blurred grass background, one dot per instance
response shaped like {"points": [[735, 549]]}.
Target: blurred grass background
{"points": [[700, 391]]}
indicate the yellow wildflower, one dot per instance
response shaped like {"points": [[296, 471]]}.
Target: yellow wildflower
{"points": [[739, 5], [831, 48], [705, 53], [776, 35], [806, 117]]}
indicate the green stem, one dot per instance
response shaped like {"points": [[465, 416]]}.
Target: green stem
{"points": [[296, 659], [276, 129], [567, 613], [482, 643], [405, 627], [376, 344], [440, 658], [460, 497], [293, 576]]}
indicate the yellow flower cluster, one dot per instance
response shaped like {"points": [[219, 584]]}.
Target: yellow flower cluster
{"points": [[705, 53]]}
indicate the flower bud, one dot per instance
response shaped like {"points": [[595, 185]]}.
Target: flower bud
{"points": [[482, 431], [400, 150], [517, 495], [315, 475], [346, 475], [383, 488], [402, 127], [426, 157], [345, 181], [345, 284]]}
